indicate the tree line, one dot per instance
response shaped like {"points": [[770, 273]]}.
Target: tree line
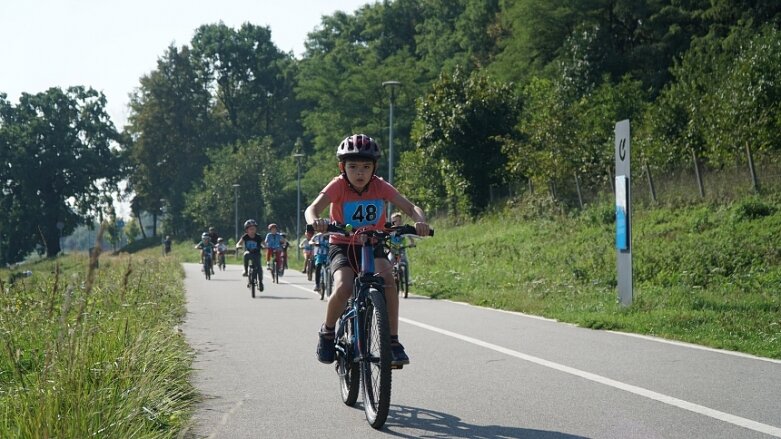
{"points": [[492, 92]]}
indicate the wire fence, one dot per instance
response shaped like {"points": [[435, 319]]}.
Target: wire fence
{"points": [[651, 186]]}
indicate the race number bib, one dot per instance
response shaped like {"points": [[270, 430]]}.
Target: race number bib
{"points": [[362, 213], [251, 245]]}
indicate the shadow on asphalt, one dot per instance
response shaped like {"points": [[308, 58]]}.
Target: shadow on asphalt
{"points": [[431, 424]]}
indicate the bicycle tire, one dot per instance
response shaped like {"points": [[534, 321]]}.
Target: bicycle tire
{"points": [[207, 269], [347, 369], [376, 366], [252, 280], [321, 285], [329, 282], [404, 277], [274, 273]]}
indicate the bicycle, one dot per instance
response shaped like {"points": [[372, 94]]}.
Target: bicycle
{"points": [[221, 260], [362, 337], [253, 275], [310, 267], [326, 280], [277, 269], [207, 265], [401, 271]]}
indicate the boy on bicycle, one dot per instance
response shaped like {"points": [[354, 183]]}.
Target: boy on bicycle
{"points": [[307, 246], [207, 250], [252, 244], [273, 243], [397, 247], [357, 197], [320, 244]]}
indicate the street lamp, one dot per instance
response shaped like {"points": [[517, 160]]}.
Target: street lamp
{"points": [[236, 211], [392, 86], [298, 157]]}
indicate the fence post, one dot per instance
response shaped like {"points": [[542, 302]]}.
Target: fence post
{"points": [[752, 169], [650, 181], [697, 173]]}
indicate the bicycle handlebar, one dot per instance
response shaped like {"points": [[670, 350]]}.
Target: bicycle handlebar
{"points": [[347, 229]]}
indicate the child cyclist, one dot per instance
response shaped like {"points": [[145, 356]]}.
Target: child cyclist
{"points": [[358, 197], [397, 247], [207, 250], [308, 247], [320, 244], [252, 245], [273, 242]]}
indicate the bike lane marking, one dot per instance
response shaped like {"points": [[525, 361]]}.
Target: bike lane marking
{"points": [[640, 391]]}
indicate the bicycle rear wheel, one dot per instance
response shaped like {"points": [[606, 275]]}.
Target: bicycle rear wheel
{"points": [[376, 366], [346, 368]]}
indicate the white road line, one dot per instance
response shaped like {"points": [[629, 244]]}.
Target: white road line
{"points": [[696, 408], [627, 334], [640, 391]]}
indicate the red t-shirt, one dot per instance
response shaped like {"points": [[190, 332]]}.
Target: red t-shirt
{"points": [[366, 209]]}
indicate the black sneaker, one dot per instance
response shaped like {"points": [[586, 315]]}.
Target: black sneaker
{"points": [[326, 349], [260, 285], [400, 357]]}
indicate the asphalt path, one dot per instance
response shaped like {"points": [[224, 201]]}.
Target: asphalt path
{"points": [[475, 373]]}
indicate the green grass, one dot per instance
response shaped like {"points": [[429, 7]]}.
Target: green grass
{"points": [[704, 273], [94, 352]]}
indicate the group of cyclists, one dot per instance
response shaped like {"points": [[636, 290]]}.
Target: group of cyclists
{"points": [[315, 248], [275, 243], [356, 197]]}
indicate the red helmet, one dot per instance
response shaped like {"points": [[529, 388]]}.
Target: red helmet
{"points": [[358, 146]]}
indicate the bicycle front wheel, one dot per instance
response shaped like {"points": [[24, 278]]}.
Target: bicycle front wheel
{"points": [[251, 283], [404, 277], [347, 369], [322, 284], [329, 282], [376, 365]]}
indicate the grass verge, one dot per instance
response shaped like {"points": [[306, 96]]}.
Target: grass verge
{"points": [[704, 273], [94, 352]]}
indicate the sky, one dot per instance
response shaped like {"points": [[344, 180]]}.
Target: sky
{"points": [[108, 45]]}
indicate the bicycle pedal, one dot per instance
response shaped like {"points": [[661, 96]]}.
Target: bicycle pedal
{"points": [[397, 366]]}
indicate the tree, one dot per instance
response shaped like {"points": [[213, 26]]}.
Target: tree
{"points": [[171, 129], [259, 173], [462, 124], [545, 150], [252, 80], [62, 163]]}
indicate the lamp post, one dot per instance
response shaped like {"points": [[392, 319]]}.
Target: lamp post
{"points": [[391, 85], [298, 157], [236, 211]]}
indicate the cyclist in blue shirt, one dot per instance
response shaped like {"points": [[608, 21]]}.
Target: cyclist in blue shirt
{"points": [[273, 242], [320, 243]]}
